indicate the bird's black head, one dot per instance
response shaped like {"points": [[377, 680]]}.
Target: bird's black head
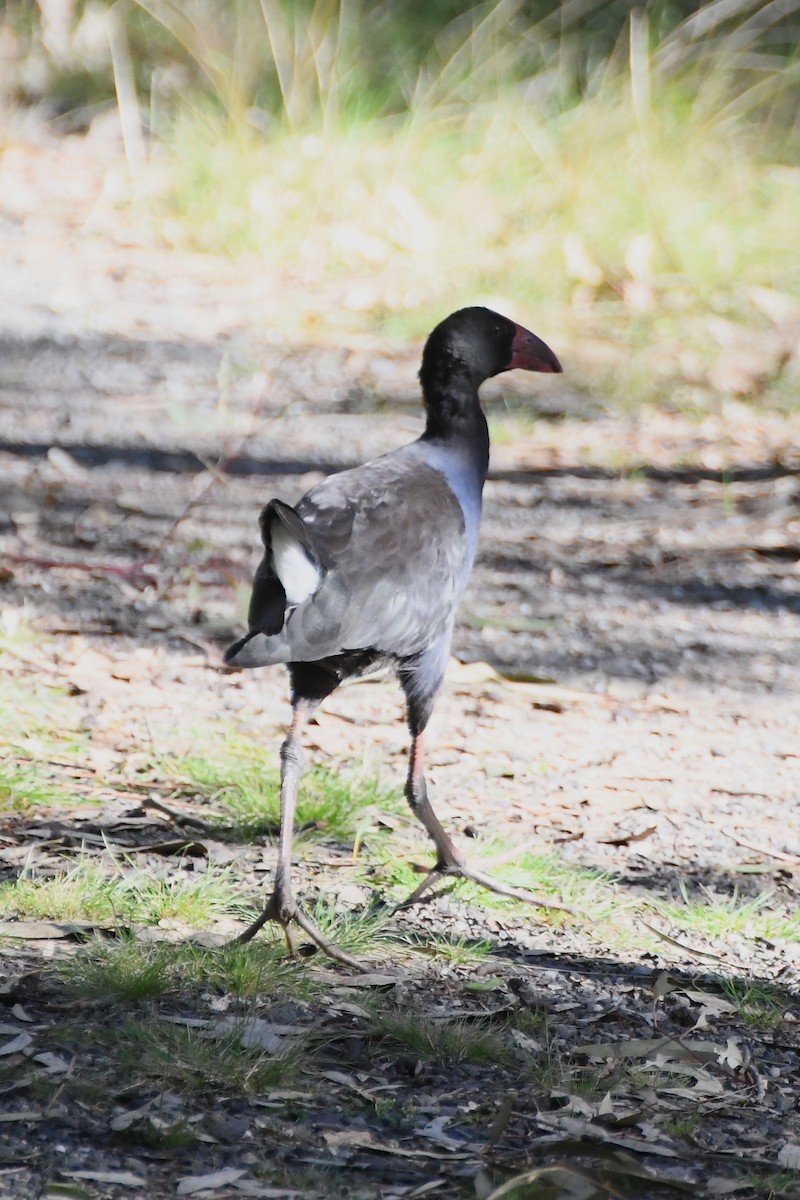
{"points": [[469, 347]]}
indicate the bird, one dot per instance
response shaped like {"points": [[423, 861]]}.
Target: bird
{"points": [[367, 570]]}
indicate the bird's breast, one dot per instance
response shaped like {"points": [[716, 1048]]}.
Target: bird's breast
{"points": [[464, 477]]}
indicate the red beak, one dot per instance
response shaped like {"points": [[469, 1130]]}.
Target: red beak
{"points": [[532, 354]]}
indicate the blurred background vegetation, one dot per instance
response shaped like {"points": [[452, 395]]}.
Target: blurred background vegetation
{"points": [[624, 177]]}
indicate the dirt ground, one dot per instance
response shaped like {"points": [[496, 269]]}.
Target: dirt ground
{"points": [[623, 690]]}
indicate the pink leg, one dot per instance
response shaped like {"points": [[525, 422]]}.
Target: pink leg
{"points": [[450, 861]]}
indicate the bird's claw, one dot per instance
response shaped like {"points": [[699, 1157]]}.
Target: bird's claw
{"points": [[284, 910], [459, 868]]}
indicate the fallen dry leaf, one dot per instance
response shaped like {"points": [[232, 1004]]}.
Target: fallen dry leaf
{"points": [[45, 930], [789, 1156], [52, 1063], [711, 1004], [370, 979], [120, 1178], [190, 1184], [20, 1042], [256, 1032], [125, 1120]]}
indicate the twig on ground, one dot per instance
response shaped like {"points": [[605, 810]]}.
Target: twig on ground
{"points": [[138, 574], [781, 855], [680, 945], [174, 815], [723, 791]]}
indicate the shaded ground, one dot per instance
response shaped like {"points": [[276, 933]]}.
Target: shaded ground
{"points": [[625, 697]]}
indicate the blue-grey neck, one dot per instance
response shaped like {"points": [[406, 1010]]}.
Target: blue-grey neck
{"points": [[462, 456]]}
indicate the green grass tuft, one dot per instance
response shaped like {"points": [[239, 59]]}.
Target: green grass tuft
{"points": [[544, 874], [459, 951], [245, 791], [93, 891], [258, 969], [127, 971], [131, 970], [351, 931], [683, 1126], [780, 1185], [757, 1004], [37, 723], [25, 787], [720, 916], [448, 1042], [189, 1060]]}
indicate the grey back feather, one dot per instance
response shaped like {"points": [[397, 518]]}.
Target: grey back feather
{"points": [[391, 538]]}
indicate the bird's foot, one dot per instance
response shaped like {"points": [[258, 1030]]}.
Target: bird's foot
{"points": [[456, 867], [282, 907]]}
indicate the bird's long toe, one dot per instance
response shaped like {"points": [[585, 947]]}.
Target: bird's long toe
{"points": [[459, 868], [466, 871], [283, 909], [324, 943]]}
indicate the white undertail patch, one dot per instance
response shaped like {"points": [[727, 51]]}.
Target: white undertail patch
{"points": [[298, 574]]}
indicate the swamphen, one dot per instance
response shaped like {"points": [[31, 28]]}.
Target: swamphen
{"points": [[367, 570]]}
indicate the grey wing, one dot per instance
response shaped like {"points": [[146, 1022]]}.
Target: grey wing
{"points": [[393, 544]]}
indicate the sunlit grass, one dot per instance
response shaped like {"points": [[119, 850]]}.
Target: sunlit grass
{"points": [[260, 968], [23, 787], [38, 721], [502, 203], [125, 970], [244, 789], [38, 724], [629, 186], [458, 951], [16, 630], [626, 177], [628, 240], [94, 891], [354, 932], [721, 916], [546, 875]]}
